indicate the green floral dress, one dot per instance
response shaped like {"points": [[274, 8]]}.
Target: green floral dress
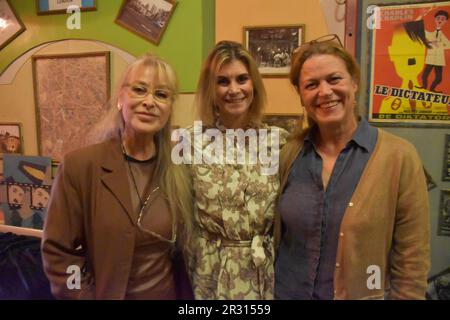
{"points": [[235, 205]]}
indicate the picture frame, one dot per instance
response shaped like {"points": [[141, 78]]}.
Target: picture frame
{"points": [[446, 164], [11, 138], [286, 121], [395, 49], [44, 7], [444, 213], [10, 24], [71, 92], [149, 24], [272, 47]]}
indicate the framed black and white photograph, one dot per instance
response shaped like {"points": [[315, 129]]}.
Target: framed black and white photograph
{"points": [[272, 47], [146, 18], [444, 214], [446, 167], [10, 24]]}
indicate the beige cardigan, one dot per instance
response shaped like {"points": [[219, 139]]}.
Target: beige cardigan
{"points": [[386, 224]]}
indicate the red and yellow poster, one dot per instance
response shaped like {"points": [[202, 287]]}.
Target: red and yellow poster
{"points": [[410, 64]]}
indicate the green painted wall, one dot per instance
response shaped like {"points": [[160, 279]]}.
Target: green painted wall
{"points": [[184, 42]]}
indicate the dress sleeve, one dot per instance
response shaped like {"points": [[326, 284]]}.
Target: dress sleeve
{"points": [[410, 254], [63, 243]]}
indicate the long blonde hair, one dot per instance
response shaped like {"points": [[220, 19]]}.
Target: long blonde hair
{"points": [[173, 180], [223, 53]]}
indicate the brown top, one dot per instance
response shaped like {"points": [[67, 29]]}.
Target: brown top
{"points": [[151, 269]]}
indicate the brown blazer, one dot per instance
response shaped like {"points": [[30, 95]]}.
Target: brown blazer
{"points": [[90, 224]]}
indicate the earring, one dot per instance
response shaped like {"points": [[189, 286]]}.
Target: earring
{"points": [[119, 106]]}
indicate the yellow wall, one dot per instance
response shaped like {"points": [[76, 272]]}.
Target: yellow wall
{"points": [[233, 15]]}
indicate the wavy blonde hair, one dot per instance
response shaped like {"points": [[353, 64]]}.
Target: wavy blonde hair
{"points": [[223, 53], [173, 180]]}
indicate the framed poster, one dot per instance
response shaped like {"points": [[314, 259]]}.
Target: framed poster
{"points": [[272, 47], [446, 165], [404, 50], [58, 6], [146, 18], [444, 214], [11, 139], [71, 92], [10, 24]]}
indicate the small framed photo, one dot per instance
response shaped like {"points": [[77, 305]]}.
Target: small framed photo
{"points": [[444, 214], [11, 140], [430, 182], [61, 126], [272, 47], [10, 24], [446, 168], [146, 18], [59, 6]]}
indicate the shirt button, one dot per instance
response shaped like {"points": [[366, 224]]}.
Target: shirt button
{"points": [[350, 204], [341, 234], [337, 265]]}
